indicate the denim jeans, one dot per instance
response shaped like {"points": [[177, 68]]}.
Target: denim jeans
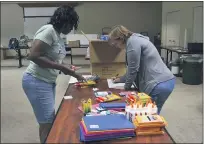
{"points": [[161, 92], [41, 96]]}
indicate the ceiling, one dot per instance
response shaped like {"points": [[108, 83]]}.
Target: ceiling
{"points": [[49, 4]]}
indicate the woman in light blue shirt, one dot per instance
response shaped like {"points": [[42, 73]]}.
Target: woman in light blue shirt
{"points": [[46, 55]]}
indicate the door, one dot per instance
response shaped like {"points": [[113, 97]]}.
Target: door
{"points": [[173, 28], [198, 24]]}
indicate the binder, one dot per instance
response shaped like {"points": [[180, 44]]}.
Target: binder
{"points": [[104, 137], [104, 132], [107, 122]]}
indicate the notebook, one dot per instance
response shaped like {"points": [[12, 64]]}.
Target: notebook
{"points": [[112, 105], [104, 137], [107, 122], [104, 132]]}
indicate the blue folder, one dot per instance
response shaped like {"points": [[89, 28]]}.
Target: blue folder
{"points": [[107, 122], [112, 105], [104, 137]]}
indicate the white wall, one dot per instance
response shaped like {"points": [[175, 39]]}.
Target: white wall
{"points": [[11, 23], [186, 18], [137, 16]]}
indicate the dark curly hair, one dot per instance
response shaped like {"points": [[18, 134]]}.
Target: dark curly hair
{"points": [[64, 15]]}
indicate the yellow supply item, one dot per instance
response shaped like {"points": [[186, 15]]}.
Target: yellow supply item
{"points": [[150, 119], [112, 97], [144, 98], [149, 133], [86, 106]]}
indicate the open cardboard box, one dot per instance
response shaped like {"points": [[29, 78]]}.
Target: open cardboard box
{"points": [[108, 70], [102, 52]]}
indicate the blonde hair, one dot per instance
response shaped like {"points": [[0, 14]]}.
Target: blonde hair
{"points": [[120, 32]]}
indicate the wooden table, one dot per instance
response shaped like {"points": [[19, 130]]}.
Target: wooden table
{"points": [[65, 128]]}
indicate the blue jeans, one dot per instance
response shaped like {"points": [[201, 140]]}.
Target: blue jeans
{"points": [[41, 96], [161, 92]]}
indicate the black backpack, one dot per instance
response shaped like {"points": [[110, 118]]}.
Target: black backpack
{"points": [[13, 43]]}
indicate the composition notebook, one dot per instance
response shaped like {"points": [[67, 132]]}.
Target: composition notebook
{"points": [[107, 122]]}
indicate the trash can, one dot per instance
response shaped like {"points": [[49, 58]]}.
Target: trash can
{"points": [[174, 66], [184, 56], [192, 70]]}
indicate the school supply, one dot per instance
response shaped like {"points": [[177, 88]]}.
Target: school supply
{"points": [[92, 107], [126, 93], [112, 105], [100, 137], [107, 123], [86, 106], [142, 97], [137, 108], [68, 97], [106, 96], [95, 78], [96, 110], [149, 124], [89, 83], [105, 127]]}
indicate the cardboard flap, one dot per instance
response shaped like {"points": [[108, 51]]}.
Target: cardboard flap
{"points": [[102, 52]]}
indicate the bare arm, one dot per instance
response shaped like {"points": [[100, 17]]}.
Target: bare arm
{"points": [[37, 56]]}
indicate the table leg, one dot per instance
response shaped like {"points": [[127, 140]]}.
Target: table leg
{"points": [[19, 58], [167, 57], [170, 55], [71, 57]]}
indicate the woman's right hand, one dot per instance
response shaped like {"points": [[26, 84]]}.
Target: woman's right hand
{"points": [[116, 79], [80, 78], [68, 71]]}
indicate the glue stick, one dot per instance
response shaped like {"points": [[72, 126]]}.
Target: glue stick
{"points": [[127, 111], [154, 109]]}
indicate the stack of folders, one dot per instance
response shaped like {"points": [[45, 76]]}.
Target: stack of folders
{"points": [[149, 124], [105, 127]]}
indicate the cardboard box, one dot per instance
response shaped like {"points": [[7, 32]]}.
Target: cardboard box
{"points": [[102, 52], [108, 70], [74, 43]]}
